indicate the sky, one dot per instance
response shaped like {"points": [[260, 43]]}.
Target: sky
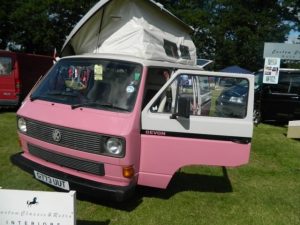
{"points": [[293, 36]]}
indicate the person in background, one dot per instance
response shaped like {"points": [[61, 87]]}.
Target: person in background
{"points": [[162, 104]]}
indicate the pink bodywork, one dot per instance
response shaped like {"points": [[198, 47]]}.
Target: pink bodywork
{"points": [[154, 158], [101, 122], [126, 125], [159, 164]]}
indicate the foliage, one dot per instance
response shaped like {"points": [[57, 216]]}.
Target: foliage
{"points": [[6, 9], [41, 26], [291, 11]]}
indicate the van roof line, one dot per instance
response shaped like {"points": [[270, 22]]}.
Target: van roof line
{"points": [[145, 62]]}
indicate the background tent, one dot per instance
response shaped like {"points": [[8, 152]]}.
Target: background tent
{"points": [[235, 69]]}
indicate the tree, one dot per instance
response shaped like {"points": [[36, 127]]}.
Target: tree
{"points": [[5, 24], [40, 26], [241, 27], [292, 13]]}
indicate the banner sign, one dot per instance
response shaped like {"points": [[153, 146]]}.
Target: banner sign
{"points": [[271, 70], [37, 208], [282, 51]]}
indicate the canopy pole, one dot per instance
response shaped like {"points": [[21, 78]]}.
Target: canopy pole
{"points": [[100, 27]]}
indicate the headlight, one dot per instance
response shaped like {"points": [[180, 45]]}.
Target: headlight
{"points": [[22, 125], [236, 99], [114, 146]]}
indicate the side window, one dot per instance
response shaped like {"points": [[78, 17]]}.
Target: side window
{"points": [[185, 53], [171, 49], [283, 84], [156, 78], [5, 66], [288, 83], [206, 96]]}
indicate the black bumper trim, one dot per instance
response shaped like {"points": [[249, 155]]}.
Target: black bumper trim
{"points": [[117, 193], [9, 103]]}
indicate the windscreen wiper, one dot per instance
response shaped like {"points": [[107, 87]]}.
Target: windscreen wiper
{"points": [[108, 105], [54, 93], [62, 93], [32, 98], [85, 104]]}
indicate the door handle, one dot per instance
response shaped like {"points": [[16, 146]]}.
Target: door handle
{"points": [[296, 97]]}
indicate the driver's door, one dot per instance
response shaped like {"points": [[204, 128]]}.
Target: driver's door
{"points": [[197, 118]]}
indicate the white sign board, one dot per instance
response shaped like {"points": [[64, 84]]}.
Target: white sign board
{"points": [[282, 50], [37, 208], [271, 70]]}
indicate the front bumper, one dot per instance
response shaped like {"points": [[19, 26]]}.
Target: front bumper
{"points": [[117, 193]]}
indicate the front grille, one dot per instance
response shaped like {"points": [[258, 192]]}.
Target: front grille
{"points": [[70, 138], [67, 161]]}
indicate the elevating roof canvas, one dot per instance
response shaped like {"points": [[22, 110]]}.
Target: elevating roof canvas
{"points": [[140, 28]]}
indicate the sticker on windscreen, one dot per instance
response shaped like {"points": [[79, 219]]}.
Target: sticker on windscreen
{"points": [[98, 71], [130, 89]]}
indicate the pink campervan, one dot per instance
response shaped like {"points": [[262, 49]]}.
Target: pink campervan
{"points": [[127, 105]]}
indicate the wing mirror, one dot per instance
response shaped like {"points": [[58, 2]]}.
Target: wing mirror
{"points": [[184, 105]]}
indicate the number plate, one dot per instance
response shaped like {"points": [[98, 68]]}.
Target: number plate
{"points": [[52, 180]]}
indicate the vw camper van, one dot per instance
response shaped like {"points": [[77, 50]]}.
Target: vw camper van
{"points": [[128, 106]]}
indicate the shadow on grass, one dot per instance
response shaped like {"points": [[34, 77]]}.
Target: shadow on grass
{"points": [[127, 205], [84, 222], [6, 110], [276, 123], [181, 182]]}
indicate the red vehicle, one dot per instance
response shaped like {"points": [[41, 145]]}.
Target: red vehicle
{"points": [[18, 74]]}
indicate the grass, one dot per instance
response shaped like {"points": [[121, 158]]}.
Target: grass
{"points": [[266, 191]]}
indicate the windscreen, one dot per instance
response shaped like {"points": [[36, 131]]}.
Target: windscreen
{"points": [[94, 83]]}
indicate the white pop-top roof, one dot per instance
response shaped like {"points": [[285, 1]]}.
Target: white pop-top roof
{"points": [[140, 28]]}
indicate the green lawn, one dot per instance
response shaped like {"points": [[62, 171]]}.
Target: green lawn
{"points": [[266, 191]]}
